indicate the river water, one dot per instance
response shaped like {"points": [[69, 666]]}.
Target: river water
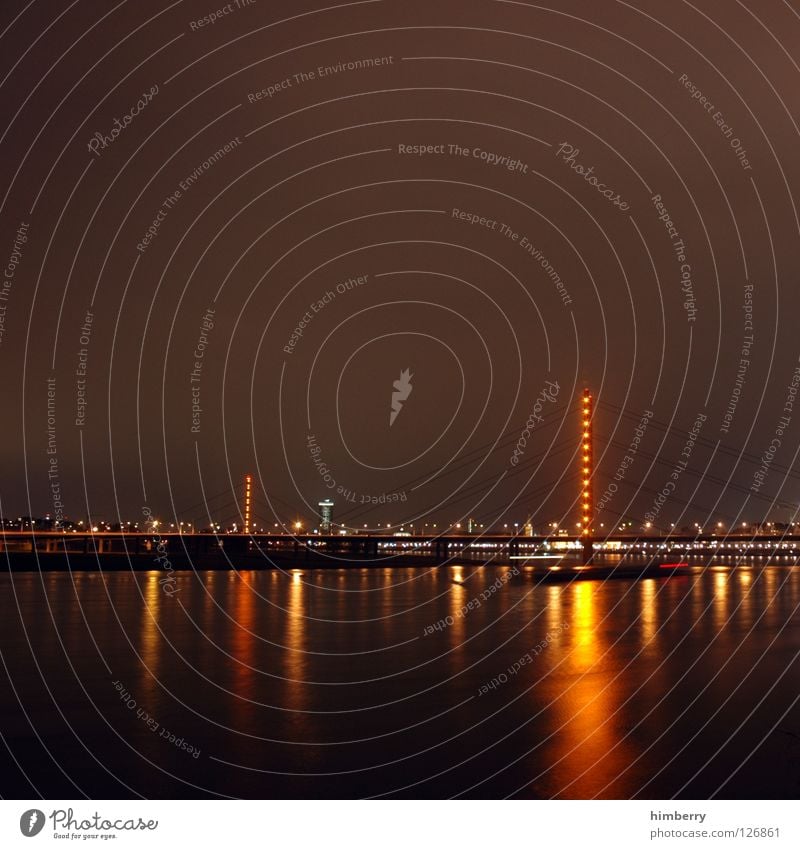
{"points": [[455, 681]]}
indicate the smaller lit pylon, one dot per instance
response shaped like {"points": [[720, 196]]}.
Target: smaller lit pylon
{"points": [[248, 491], [586, 465]]}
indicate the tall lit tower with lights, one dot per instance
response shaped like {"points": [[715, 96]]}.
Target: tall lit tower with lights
{"points": [[248, 496], [586, 473]]}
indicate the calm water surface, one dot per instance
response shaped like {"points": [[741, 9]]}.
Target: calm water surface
{"points": [[335, 683]]}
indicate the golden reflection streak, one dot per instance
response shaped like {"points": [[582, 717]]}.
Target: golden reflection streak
{"points": [[555, 613], [746, 604], [150, 643], [243, 641], [697, 602], [209, 608], [385, 603], [649, 611], [584, 642], [365, 598], [458, 598], [720, 603], [589, 742], [295, 659], [769, 576]]}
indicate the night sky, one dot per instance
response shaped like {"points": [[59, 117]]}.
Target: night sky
{"points": [[498, 197]]}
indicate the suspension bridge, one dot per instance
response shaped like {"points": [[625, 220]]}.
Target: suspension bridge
{"points": [[227, 532]]}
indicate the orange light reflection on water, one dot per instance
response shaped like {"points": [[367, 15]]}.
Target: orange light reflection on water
{"points": [[457, 631], [243, 641], [589, 746], [295, 658], [150, 639]]}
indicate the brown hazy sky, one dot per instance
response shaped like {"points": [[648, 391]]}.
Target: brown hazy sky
{"points": [[695, 103]]}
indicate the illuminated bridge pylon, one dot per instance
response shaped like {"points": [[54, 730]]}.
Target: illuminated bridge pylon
{"points": [[586, 460], [248, 502]]}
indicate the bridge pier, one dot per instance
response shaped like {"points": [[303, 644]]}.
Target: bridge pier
{"points": [[588, 551]]}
